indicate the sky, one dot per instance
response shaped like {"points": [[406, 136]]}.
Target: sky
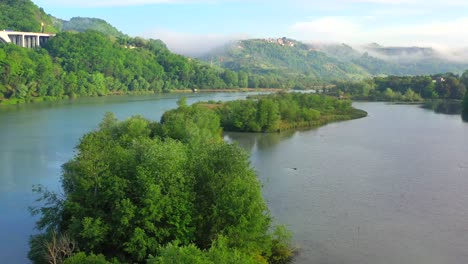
{"points": [[191, 26]]}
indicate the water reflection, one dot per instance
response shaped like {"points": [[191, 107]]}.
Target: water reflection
{"points": [[383, 189], [257, 141], [444, 107], [35, 139]]}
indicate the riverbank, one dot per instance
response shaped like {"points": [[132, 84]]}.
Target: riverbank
{"points": [[283, 111], [16, 101], [233, 90], [353, 114]]}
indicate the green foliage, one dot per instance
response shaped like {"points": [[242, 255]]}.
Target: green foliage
{"points": [[138, 189], [407, 88], [288, 63], [401, 61], [172, 254], [465, 107], [24, 15], [219, 253], [82, 24], [281, 246], [81, 258], [284, 111], [91, 64], [194, 124], [282, 63]]}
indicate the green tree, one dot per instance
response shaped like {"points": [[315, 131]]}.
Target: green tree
{"points": [[193, 124], [465, 107], [138, 188], [243, 79], [268, 115], [464, 78]]}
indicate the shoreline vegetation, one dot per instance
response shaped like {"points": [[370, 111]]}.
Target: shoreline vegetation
{"points": [[88, 64], [173, 191], [447, 86], [283, 111], [15, 101], [465, 108]]}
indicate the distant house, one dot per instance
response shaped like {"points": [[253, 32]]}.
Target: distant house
{"points": [[439, 80]]}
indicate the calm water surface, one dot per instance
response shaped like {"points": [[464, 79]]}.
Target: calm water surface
{"points": [[36, 139], [390, 188]]}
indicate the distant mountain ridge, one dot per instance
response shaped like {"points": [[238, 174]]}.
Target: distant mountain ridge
{"points": [[24, 15], [273, 57], [81, 24], [383, 60], [283, 56], [332, 61]]}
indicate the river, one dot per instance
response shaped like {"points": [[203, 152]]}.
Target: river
{"points": [[389, 188]]}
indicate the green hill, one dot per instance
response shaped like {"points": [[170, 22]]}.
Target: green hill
{"points": [[81, 24], [24, 15], [330, 62], [284, 57], [381, 60]]}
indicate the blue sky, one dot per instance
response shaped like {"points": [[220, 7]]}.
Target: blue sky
{"points": [[187, 25]]}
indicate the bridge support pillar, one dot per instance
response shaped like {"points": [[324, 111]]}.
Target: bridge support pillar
{"points": [[25, 39]]}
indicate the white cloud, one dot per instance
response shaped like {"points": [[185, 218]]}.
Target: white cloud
{"points": [[420, 3], [316, 3], [108, 3], [358, 30], [328, 28], [192, 44]]}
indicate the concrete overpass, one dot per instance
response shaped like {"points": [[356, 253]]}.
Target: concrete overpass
{"points": [[25, 39]]}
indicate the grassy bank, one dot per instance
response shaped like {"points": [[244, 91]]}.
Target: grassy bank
{"points": [[282, 111]]}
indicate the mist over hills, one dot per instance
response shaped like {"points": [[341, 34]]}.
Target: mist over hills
{"points": [[332, 60], [283, 57], [81, 24], [24, 15]]}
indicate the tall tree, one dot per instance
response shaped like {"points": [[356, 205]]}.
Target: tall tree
{"points": [[465, 107], [138, 188]]}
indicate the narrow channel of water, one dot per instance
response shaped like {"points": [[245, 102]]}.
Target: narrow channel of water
{"points": [[389, 188], [36, 139]]}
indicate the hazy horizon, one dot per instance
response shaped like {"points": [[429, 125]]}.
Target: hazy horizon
{"points": [[199, 25]]}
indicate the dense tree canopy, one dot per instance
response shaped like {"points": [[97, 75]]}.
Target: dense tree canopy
{"points": [[284, 63], [407, 88], [24, 15], [140, 191], [309, 64], [465, 107], [82, 24], [284, 111], [91, 64]]}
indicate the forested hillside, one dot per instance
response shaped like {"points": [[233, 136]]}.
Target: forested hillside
{"points": [[24, 15], [283, 111], [82, 24], [105, 61], [284, 58], [406, 88], [329, 62], [91, 64], [140, 191], [380, 60]]}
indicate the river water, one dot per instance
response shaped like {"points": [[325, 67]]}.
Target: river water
{"points": [[389, 188]]}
